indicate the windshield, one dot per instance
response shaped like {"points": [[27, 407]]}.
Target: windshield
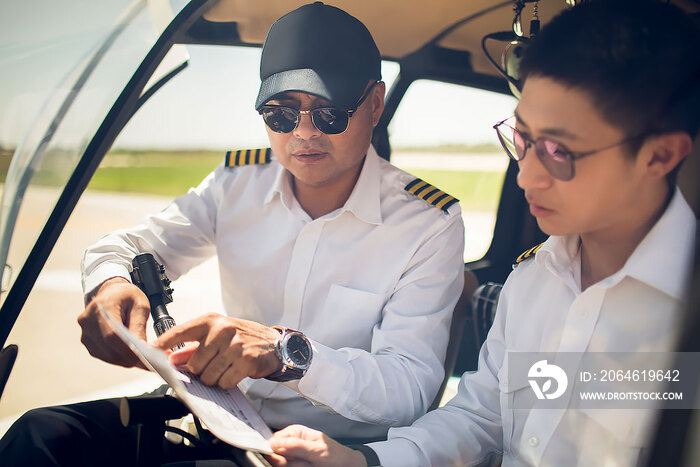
{"points": [[64, 64]]}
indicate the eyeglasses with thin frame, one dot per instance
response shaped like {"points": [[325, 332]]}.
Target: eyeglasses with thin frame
{"points": [[554, 156], [328, 120]]}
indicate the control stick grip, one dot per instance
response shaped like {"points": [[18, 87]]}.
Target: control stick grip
{"points": [[150, 277]]}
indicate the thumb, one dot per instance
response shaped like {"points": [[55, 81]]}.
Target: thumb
{"points": [[137, 319]]}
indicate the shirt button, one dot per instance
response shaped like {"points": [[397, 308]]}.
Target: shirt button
{"points": [[533, 441]]}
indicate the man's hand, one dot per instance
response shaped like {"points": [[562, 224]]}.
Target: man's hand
{"points": [[128, 304], [229, 349], [302, 446]]}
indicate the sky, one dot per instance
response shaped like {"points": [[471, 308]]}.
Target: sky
{"points": [[209, 105]]}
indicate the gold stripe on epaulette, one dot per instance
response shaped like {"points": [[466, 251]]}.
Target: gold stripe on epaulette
{"points": [[248, 157], [432, 195], [529, 253]]}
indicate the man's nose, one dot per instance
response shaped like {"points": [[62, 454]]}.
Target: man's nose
{"points": [[306, 128], [532, 174]]}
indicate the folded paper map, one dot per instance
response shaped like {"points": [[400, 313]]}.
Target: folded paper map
{"points": [[227, 414]]}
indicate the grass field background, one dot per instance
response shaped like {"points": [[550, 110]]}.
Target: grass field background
{"points": [[172, 173]]}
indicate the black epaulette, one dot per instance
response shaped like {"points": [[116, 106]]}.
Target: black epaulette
{"points": [[528, 254], [432, 195], [248, 157]]}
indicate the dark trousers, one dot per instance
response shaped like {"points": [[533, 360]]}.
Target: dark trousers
{"points": [[89, 434]]}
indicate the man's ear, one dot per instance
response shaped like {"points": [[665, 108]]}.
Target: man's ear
{"points": [[665, 151], [377, 101]]}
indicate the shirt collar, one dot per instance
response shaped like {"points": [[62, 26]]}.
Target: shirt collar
{"points": [[282, 186], [560, 255], [662, 259], [364, 201]]}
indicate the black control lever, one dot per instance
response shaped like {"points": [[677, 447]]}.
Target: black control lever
{"points": [[150, 277]]}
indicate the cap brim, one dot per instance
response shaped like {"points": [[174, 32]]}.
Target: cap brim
{"points": [[343, 90]]}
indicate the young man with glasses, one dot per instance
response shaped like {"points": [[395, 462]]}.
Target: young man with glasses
{"points": [[319, 237], [607, 114]]}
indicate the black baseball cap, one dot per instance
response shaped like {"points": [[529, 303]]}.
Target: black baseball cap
{"points": [[321, 50]]}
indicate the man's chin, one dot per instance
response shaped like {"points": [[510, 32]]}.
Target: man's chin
{"points": [[549, 227], [302, 177]]}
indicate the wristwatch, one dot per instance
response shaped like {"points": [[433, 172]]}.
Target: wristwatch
{"points": [[294, 351]]}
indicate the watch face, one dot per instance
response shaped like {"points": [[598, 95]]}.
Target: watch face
{"points": [[298, 350]]}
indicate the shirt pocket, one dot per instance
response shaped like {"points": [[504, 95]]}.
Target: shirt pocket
{"points": [[351, 316], [510, 392]]}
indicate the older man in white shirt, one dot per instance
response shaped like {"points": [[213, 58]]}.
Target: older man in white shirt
{"points": [[372, 284], [319, 236]]}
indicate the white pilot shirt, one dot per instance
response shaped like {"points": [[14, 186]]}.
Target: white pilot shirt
{"points": [[542, 309], [372, 285]]}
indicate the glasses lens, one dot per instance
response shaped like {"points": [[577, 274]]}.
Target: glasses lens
{"points": [[519, 144], [280, 119], [330, 121], [508, 137], [555, 158]]}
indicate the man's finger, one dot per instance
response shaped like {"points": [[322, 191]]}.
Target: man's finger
{"points": [[210, 351], [180, 357], [297, 431], [102, 343], [231, 377], [276, 460], [214, 369], [115, 349], [295, 448], [111, 350], [213, 350], [193, 330], [296, 441]]}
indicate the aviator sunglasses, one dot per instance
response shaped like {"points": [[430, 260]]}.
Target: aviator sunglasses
{"points": [[554, 156], [328, 120]]}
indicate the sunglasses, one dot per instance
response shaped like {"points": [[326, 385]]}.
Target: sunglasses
{"points": [[328, 120], [554, 156]]}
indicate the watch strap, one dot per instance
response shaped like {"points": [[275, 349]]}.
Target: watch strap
{"points": [[285, 374]]}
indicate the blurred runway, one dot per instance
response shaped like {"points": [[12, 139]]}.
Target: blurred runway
{"points": [[52, 365]]}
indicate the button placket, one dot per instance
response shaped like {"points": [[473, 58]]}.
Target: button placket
{"points": [[581, 321], [537, 431], [579, 327], [299, 270]]}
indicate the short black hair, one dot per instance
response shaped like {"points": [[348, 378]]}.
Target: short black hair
{"points": [[637, 59]]}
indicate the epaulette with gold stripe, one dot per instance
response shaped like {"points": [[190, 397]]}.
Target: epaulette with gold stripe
{"points": [[432, 195], [248, 157], [527, 254]]}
